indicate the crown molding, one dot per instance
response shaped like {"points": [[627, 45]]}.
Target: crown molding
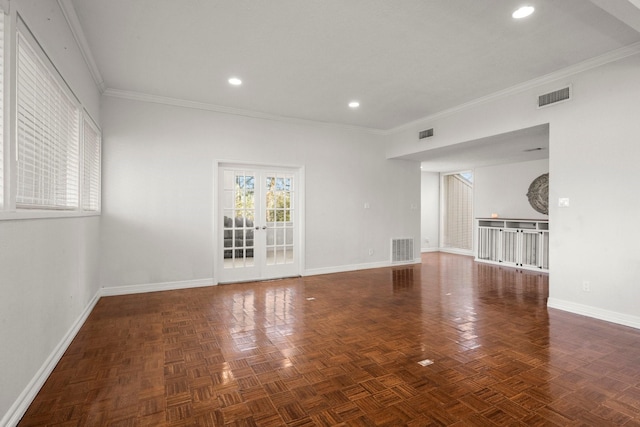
{"points": [[156, 99], [70, 15], [614, 55], [564, 73]]}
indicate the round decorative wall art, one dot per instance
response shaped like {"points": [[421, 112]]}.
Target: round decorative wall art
{"points": [[538, 194]]}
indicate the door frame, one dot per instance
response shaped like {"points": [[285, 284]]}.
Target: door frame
{"points": [[217, 224]]}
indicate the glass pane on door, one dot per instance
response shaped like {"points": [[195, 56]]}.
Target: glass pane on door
{"points": [[279, 217], [239, 212]]}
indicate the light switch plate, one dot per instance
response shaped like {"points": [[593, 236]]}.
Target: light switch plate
{"points": [[563, 202]]}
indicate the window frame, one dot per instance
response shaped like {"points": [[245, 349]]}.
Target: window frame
{"points": [[9, 209], [87, 121], [4, 103]]}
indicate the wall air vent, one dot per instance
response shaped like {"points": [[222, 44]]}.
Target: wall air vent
{"points": [[401, 250], [560, 95], [425, 133]]}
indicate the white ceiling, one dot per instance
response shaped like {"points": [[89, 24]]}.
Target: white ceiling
{"points": [[306, 59]]}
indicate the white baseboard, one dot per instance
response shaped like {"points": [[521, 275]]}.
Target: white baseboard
{"points": [[456, 251], [155, 287], [425, 250], [595, 312], [20, 406], [355, 267]]}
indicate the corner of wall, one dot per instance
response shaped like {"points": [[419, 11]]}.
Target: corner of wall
{"points": [[20, 406]]}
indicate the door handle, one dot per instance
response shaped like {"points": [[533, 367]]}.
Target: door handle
{"points": [[264, 227]]}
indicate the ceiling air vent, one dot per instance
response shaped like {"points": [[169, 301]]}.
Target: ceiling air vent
{"points": [[425, 133], [554, 97]]}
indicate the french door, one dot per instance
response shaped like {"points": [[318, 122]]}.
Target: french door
{"points": [[258, 222]]}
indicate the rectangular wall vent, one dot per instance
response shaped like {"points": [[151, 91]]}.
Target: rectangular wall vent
{"points": [[425, 133], [402, 250], [554, 97]]}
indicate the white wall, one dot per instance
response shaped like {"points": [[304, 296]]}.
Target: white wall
{"points": [[48, 271], [158, 178], [594, 155], [498, 189], [430, 211], [47, 22], [502, 189], [157, 223], [594, 162], [48, 267]]}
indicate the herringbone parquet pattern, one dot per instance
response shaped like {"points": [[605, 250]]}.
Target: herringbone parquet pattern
{"points": [[343, 349]]}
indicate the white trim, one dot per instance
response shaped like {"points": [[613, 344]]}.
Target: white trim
{"points": [[356, 267], [299, 171], [595, 312], [6, 37], [425, 250], [44, 214], [215, 233], [9, 210], [301, 220], [70, 15], [156, 287], [20, 406], [614, 55], [589, 64], [155, 99], [456, 251]]}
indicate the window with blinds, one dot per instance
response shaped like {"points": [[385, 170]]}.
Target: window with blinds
{"points": [[47, 136], [457, 192], [2, 144], [58, 146], [91, 166]]}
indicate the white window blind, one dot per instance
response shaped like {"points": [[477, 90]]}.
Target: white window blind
{"points": [[458, 215], [2, 144], [91, 166], [47, 134]]}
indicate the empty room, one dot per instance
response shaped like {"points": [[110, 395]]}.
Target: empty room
{"points": [[319, 213]]}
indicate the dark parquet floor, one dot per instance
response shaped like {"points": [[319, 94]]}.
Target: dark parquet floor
{"points": [[343, 349]]}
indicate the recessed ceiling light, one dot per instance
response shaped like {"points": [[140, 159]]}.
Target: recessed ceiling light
{"points": [[235, 81], [523, 12], [354, 104]]}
